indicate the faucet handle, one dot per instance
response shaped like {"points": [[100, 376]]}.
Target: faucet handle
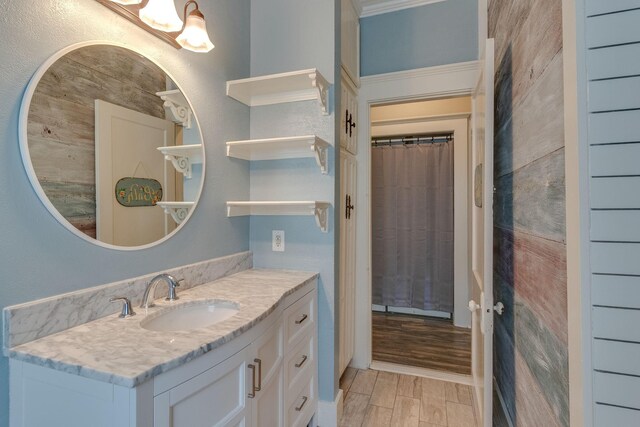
{"points": [[127, 311], [173, 284]]}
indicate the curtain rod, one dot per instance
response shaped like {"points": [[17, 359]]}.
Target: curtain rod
{"points": [[408, 140]]}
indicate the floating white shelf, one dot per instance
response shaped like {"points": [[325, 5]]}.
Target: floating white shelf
{"points": [[178, 106], [183, 156], [318, 209], [282, 148], [177, 210], [294, 86]]}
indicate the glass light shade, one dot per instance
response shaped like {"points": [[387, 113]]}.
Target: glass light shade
{"points": [[161, 15], [195, 37], [127, 2]]}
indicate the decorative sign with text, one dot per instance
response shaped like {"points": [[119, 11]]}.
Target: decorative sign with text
{"points": [[134, 192]]}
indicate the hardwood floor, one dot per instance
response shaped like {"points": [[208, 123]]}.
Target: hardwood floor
{"points": [[423, 342], [376, 398]]}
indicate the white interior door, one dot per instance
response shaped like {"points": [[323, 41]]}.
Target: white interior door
{"points": [[126, 144], [482, 237]]}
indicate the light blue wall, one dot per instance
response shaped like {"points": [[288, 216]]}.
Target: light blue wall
{"points": [[39, 257], [426, 36], [288, 35]]}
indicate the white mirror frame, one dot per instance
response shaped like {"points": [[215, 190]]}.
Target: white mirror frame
{"points": [[26, 156]]}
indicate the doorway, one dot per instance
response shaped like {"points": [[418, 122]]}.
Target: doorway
{"points": [[419, 236]]}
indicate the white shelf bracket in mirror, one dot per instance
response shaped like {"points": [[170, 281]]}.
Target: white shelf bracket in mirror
{"points": [[303, 85], [320, 210], [183, 156], [178, 107], [282, 148], [177, 210]]}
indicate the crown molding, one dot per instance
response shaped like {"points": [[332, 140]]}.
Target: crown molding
{"points": [[459, 67], [392, 6]]}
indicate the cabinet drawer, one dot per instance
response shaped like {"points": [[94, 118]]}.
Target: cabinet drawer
{"points": [[300, 319], [300, 362], [300, 409], [269, 352]]}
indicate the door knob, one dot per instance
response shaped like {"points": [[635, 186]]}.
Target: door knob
{"points": [[499, 308], [473, 306]]}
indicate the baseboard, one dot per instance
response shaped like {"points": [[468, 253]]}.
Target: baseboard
{"points": [[502, 404], [330, 412], [422, 372]]}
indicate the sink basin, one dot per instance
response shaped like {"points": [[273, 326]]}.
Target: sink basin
{"points": [[190, 316]]}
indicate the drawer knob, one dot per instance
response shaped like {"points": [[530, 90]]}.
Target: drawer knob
{"points": [[252, 393], [302, 319], [304, 401], [301, 362], [259, 362]]}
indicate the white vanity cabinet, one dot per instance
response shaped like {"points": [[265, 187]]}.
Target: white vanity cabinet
{"points": [[266, 377]]}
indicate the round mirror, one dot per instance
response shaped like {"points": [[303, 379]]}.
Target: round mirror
{"points": [[111, 145]]}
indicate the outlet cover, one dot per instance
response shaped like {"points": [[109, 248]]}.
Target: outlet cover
{"points": [[277, 240]]}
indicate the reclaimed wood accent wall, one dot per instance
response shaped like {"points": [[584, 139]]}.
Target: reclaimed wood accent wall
{"points": [[61, 125], [530, 344], [613, 106]]}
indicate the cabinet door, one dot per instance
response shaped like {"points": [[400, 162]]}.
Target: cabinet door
{"points": [[347, 259], [217, 397], [344, 115], [350, 43], [352, 145], [267, 354]]}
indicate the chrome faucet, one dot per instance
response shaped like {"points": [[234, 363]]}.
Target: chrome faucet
{"points": [[151, 287]]}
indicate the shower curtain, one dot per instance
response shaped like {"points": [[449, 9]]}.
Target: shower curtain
{"points": [[412, 221]]}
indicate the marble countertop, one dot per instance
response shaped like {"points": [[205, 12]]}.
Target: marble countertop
{"points": [[121, 352]]}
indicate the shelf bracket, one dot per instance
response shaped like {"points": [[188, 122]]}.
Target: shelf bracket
{"points": [[321, 155], [177, 213], [181, 163], [322, 217], [322, 86], [180, 111]]}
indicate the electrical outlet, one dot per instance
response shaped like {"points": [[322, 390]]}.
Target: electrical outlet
{"points": [[277, 240]]}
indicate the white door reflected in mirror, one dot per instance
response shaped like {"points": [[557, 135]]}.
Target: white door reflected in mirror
{"points": [[78, 180]]}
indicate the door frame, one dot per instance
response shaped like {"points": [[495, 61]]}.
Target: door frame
{"points": [[421, 84]]}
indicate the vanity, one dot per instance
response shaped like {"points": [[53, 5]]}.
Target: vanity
{"points": [[256, 367]]}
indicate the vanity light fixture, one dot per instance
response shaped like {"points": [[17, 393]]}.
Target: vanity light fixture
{"points": [[161, 15], [194, 36], [160, 18]]}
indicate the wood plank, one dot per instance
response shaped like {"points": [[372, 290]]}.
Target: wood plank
{"points": [[433, 388], [617, 357], [615, 193], [615, 94], [532, 199], [524, 262], [406, 412], [613, 324], [613, 29], [596, 7], [615, 127], [614, 160], [423, 342], [433, 409], [530, 46], [536, 127], [377, 416], [364, 382], [615, 226], [613, 389], [355, 409], [615, 258], [384, 392], [347, 378], [457, 393], [459, 415], [612, 62], [61, 162], [410, 386], [615, 291], [606, 415]]}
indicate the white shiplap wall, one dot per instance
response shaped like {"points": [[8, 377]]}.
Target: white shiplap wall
{"points": [[613, 70]]}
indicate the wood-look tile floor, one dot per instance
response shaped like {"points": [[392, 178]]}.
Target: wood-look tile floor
{"points": [[384, 399], [424, 342]]}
